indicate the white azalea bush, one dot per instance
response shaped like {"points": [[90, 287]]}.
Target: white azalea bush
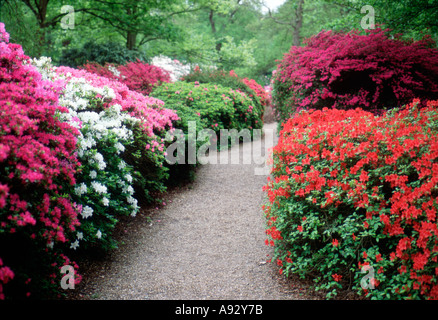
{"points": [[104, 184]]}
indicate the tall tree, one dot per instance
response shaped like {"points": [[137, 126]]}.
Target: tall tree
{"points": [[293, 19], [136, 21]]}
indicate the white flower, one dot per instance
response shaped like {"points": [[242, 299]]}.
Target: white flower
{"points": [[87, 212], [129, 190], [105, 201], [79, 235], [128, 178], [99, 159], [81, 189], [132, 201], [122, 164], [133, 213], [119, 147], [98, 187], [74, 245], [99, 234], [93, 174]]}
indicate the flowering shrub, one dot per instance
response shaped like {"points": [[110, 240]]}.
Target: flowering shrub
{"points": [[147, 153], [353, 192], [108, 70], [38, 164], [260, 92], [103, 185], [231, 80], [350, 70], [137, 76], [217, 107]]}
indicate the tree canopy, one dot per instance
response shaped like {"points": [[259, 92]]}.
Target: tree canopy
{"points": [[245, 35]]}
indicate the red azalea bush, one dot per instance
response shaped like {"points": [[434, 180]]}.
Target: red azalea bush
{"points": [[138, 76], [353, 201], [37, 172], [371, 71]]}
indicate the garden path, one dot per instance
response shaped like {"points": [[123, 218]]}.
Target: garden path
{"points": [[206, 243]]}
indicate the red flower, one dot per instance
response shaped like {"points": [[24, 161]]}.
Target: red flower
{"points": [[337, 277]]}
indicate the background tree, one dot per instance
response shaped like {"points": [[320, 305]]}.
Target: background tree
{"points": [[230, 34]]}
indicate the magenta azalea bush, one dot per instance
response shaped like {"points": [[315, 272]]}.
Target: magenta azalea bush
{"points": [[136, 75], [38, 164], [372, 71]]}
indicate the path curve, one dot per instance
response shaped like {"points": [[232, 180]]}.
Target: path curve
{"points": [[206, 243]]}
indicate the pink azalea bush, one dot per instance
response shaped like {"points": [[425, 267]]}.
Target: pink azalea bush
{"points": [[38, 164], [72, 147], [138, 76]]}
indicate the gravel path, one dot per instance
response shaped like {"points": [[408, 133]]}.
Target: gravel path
{"points": [[206, 243]]}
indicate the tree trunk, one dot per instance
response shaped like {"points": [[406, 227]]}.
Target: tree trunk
{"points": [[131, 40], [131, 36], [213, 29], [298, 23]]}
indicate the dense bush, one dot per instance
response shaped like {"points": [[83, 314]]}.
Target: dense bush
{"points": [[176, 68], [350, 191], [103, 185], [217, 107], [230, 80], [259, 91], [137, 76], [38, 164], [100, 53], [371, 71], [147, 153], [143, 77]]}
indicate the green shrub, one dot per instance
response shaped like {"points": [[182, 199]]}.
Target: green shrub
{"points": [[225, 79], [216, 106], [353, 192]]}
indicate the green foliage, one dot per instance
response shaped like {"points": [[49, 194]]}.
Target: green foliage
{"points": [[150, 175], [217, 107], [225, 79], [204, 109], [412, 18]]}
